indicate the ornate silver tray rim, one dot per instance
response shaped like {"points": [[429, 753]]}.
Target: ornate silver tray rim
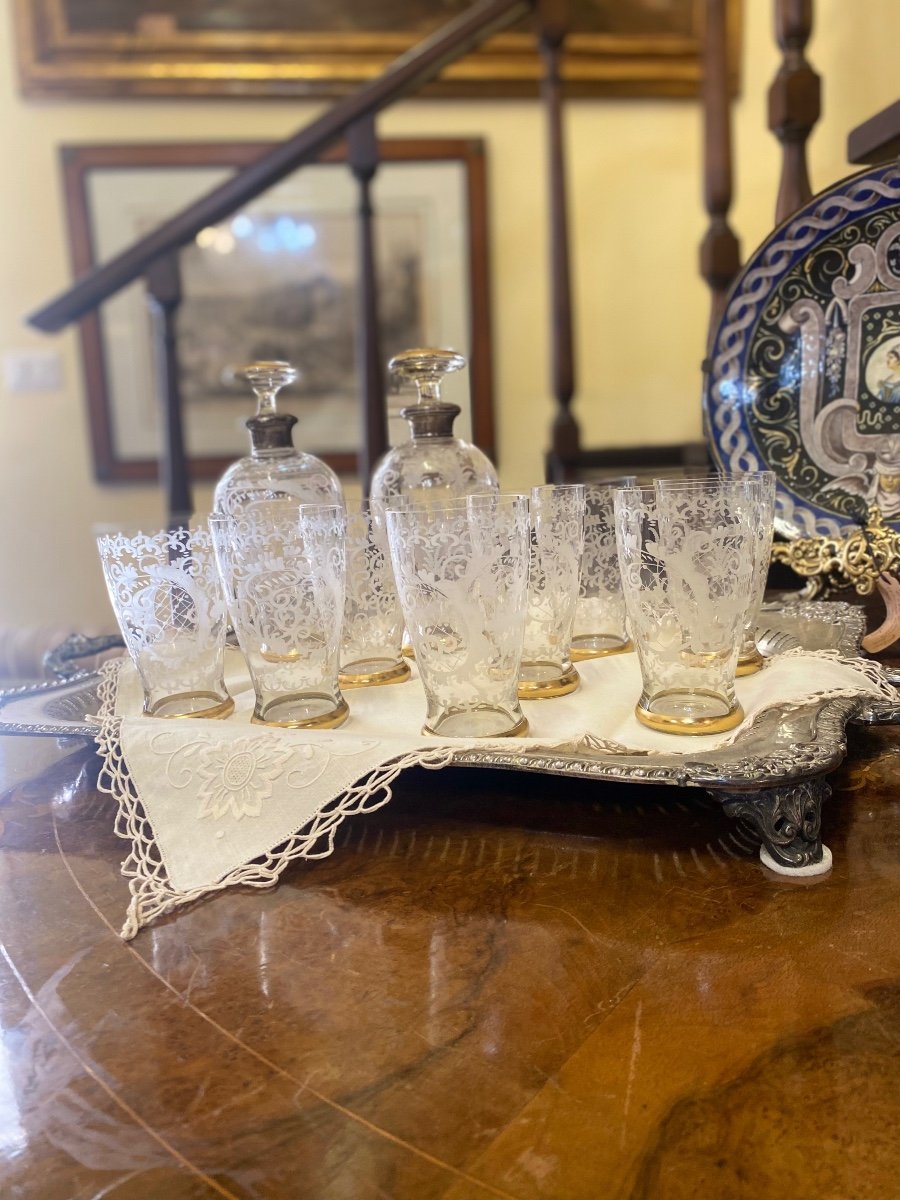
{"points": [[53, 709]]}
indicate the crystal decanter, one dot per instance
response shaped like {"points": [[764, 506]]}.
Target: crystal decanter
{"points": [[433, 465], [274, 468]]}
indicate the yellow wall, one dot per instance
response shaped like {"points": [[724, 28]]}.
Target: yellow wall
{"points": [[641, 309]]}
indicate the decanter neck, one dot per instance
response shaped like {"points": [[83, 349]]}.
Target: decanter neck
{"points": [[431, 420], [271, 431]]}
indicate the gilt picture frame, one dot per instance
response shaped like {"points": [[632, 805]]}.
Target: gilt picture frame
{"points": [[278, 280], [114, 48]]}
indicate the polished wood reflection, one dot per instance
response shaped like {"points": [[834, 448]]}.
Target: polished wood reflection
{"points": [[498, 985]]}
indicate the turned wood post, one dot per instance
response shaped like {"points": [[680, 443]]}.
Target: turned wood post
{"points": [[163, 280], [552, 27], [362, 154], [720, 251], [794, 103]]}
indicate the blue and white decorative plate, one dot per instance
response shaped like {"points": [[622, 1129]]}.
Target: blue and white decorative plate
{"points": [[805, 366]]}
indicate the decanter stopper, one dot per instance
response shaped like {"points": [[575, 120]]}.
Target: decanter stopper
{"points": [[269, 429], [430, 416], [267, 379]]}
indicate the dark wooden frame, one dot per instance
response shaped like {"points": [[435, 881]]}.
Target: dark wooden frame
{"points": [[79, 160], [55, 61]]}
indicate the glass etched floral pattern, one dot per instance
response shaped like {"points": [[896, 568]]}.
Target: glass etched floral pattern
{"points": [[686, 564], [373, 621], [754, 492], [168, 601], [599, 626], [762, 492], [461, 574], [283, 570], [556, 548]]}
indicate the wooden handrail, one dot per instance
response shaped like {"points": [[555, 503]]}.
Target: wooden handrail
{"points": [[407, 74], [878, 139]]}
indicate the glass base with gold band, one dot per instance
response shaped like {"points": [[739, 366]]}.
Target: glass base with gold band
{"points": [[192, 706], [749, 662], [598, 645], [690, 712], [544, 680], [302, 711], [373, 672]]}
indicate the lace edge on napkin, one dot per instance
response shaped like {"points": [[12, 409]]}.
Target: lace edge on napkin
{"points": [[108, 687], [873, 672], [152, 894]]}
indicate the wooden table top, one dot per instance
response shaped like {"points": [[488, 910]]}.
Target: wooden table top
{"points": [[498, 986]]}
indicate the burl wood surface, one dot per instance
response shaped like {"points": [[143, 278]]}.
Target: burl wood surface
{"points": [[498, 986]]}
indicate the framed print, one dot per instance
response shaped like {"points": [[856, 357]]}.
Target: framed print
{"points": [[279, 280], [329, 47]]}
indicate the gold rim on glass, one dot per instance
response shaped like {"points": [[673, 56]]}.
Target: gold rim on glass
{"points": [[579, 654], [328, 720], [395, 673], [690, 725], [750, 663], [216, 712], [545, 689]]}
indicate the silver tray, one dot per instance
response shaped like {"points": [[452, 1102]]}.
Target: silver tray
{"points": [[777, 747], [52, 709], [770, 777]]}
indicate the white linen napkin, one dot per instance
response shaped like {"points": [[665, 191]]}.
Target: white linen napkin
{"points": [[208, 804]]}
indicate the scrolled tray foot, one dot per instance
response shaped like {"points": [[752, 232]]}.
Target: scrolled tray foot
{"points": [[822, 867], [789, 821]]}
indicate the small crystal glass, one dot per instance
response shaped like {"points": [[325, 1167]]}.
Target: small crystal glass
{"points": [[762, 491], [686, 562], [557, 545], [168, 600], [760, 502], [373, 621], [283, 569], [600, 627], [462, 575]]}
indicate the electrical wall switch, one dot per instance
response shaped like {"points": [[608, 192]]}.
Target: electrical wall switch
{"points": [[32, 371]]}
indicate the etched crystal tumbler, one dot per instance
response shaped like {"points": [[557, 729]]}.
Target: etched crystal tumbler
{"points": [[599, 627], [759, 500], [557, 545], [462, 575], [168, 600], [761, 486], [283, 569], [686, 562], [373, 622]]}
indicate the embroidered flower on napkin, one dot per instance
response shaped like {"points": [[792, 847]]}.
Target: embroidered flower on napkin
{"points": [[236, 778]]}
